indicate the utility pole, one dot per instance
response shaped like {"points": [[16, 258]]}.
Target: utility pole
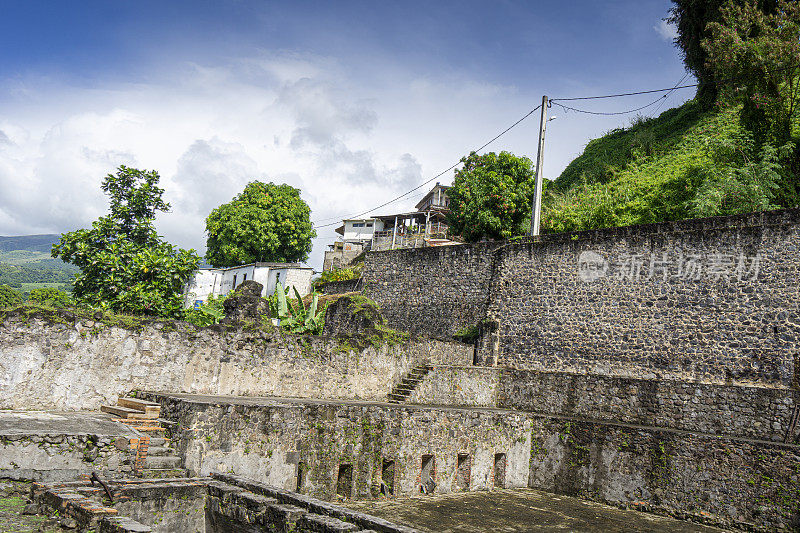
{"points": [[536, 211]]}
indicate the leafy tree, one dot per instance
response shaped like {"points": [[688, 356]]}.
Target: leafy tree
{"points": [[491, 196], [125, 266], [51, 296], [692, 19], [9, 296], [265, 222], [758, 56]]}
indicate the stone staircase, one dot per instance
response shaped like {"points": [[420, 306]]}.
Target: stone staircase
{"points": [[403, 390], [155, 456]]}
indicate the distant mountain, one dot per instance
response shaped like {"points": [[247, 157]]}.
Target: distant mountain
{"points": [[34, 243], [26, 264]]}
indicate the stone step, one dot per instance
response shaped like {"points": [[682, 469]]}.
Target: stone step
{"points": [[155, 451], [163, 473], [162, 461], [125, 412], [159, 441], [151, 408]]}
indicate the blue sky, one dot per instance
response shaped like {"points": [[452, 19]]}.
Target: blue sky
{"points": [[352, 102]]}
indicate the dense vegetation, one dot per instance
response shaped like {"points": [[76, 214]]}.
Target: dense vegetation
{"points": [[738, 155]]}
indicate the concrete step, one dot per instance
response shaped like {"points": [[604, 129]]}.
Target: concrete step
{"points": [[163, 473], [124, 412], [162, 461]]}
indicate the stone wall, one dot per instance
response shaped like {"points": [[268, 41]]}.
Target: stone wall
{"points": [[318, 443], [81, 364], [735, 482], [458, 386], [734, 410], [63, 457], [436, 291], [709, 299]]}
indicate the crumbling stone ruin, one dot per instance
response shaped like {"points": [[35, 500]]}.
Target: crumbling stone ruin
{"points": [[653, 367]]}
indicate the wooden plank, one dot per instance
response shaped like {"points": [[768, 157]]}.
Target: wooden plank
{"points": [[124, 412], [140, 405]]}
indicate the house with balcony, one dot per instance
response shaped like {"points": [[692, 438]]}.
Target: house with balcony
{"points": [[426, 226]]}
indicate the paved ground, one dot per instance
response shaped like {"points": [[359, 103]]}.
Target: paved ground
{"points": [[517, 510], [61, 423]]}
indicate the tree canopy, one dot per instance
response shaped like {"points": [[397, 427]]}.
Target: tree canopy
{"points": [[491, 196], [125, 266], [692, 18], [265, 222]]}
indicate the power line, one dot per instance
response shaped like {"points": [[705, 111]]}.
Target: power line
{"points": [[660, 100], [624, 94], [493, 139], [673, 89]]}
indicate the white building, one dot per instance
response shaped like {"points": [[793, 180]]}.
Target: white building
{"points": [[356, 236], [221, 281]]}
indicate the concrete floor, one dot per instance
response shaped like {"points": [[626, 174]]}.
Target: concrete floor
{"points": [[517, 510], [61, 423]]}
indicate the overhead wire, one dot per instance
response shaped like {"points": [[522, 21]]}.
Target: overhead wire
{"points": [[660, 100], [440, 174]]}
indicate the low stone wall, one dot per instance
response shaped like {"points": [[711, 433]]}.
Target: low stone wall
{"points": [[81, 364], [751, 412], [64, 457], [458, 386], [736, 482], [349, 449]]}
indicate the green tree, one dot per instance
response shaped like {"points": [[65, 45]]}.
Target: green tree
{"points": [[51, 296], [491, 196], [125, 266], [757, 54], [9, 296], [265, 222], [692, 18]]}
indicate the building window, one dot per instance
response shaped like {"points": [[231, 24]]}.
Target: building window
{"points": [[277, 278], [244, 278], [369, 224], [358, 224], [234, 281]]}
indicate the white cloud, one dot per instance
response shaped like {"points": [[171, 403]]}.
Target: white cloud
{"points": [[348, 139], [666, 30]]}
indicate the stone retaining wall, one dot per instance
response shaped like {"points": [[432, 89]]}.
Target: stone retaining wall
{"points": [[734, 482], [83, 364], [734, 410], [318, 443]]}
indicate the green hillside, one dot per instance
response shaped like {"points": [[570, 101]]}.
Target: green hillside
{"points": [[26, 264], [682, 164]]}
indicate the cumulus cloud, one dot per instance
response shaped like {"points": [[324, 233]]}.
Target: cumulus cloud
{"points": [[346, 142], [666, 30]]}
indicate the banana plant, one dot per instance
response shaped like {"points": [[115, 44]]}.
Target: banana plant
{"points": [[295, 317]]}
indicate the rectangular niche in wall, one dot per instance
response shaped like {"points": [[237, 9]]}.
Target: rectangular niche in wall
{"points": [[428, 474], [344, 481], [500, 470], [463, 471], [387, 475], [301, 474]]}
